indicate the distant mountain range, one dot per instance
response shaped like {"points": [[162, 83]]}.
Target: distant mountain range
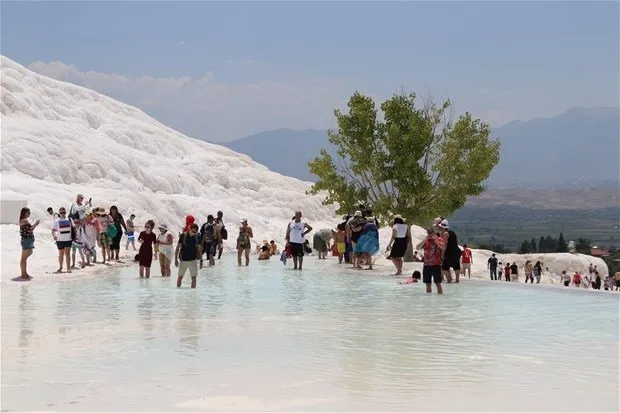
{"points": [[579, 148]]}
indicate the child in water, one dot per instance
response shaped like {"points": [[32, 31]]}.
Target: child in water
{"points": [[339, 239], [415, 277]]}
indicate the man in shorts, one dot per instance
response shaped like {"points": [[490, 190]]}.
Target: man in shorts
{"points": [[433, 246], [295, 233], [467, 260], [189, 249], [62, 233]]}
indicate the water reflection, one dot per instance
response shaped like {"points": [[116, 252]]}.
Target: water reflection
{"points": [[188, 324], [27, 314], [358, 339], [146, 299], [293, 292]]}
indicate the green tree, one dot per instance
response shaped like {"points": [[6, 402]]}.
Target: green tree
{"points": [[583, 246], [562, 245], [525, 248], [417, 162], [533, 247]]}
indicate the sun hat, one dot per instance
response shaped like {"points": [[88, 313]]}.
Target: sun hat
{"points": [[357, 214], [244, 220], [437, 221], [398, 216], [370, 218], [444, 224], [101, 211], [163, 226]]}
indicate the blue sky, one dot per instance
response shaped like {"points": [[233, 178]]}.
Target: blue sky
{"points": [[224, 70]]}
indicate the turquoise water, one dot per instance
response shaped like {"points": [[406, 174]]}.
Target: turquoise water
{"points": [[326, 338]]}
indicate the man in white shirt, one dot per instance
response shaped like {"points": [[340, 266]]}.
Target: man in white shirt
{"points": [[295, 233], [61, 231], [78, 209]]}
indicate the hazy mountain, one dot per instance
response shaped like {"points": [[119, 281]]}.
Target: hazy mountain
{"points": [[285, 151], [578, 148]]}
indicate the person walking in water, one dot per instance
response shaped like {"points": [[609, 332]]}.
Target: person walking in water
{"points": [[244, 242], [103, 221], [26, 232], [398, 243], [189, 251], [119, 223], [528, 270], [222, 233], [368, 243], [452, 253], [433, 246], [492, 266], [166, 253], [295, 233], [61, 231], [466, 261], [147, 240], [131, 233], [208, 236]]}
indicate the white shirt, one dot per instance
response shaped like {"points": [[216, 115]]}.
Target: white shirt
{"points": [[80, 209], [401, 230], [296, 232], [62, 226]]}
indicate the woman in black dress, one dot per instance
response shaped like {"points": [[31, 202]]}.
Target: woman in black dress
{"points": [[398, 243]]}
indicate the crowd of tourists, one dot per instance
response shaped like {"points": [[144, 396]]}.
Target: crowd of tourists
{"points": [[94, 235]]}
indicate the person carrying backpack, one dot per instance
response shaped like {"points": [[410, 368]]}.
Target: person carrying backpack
{"points": [[208, 239]]}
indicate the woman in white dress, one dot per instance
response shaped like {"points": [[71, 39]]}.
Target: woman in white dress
{"points": [[166, 253]]}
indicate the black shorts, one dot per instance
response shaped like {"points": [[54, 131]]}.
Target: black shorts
{"points": [[432, 273], [297, 249], [63, 244], [209, 248], [451, 262]]}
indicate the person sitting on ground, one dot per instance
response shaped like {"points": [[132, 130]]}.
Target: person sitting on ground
{"points": [[415, 277], [273, 248], [265, 252]]}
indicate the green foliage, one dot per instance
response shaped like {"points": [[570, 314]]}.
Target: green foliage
{"points": [[533, 247], [583, 246], [562, 245], [417, 162], [526, 248], [499, 248]]}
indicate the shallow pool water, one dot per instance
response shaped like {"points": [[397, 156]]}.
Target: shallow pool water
{"points": [[266, 337]]}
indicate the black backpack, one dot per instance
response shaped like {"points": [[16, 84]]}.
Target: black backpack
{"points": [[224, 232]]}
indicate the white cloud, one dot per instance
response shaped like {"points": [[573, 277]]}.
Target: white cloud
{"points": [[202, 107]]}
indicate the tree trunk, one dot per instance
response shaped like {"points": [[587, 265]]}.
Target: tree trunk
{"points": [[409, 252]]}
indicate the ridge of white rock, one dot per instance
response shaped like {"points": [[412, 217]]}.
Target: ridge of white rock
{"points": [[59, 139]]}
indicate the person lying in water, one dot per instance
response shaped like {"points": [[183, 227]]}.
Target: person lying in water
{"points": [[415, 277]]}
